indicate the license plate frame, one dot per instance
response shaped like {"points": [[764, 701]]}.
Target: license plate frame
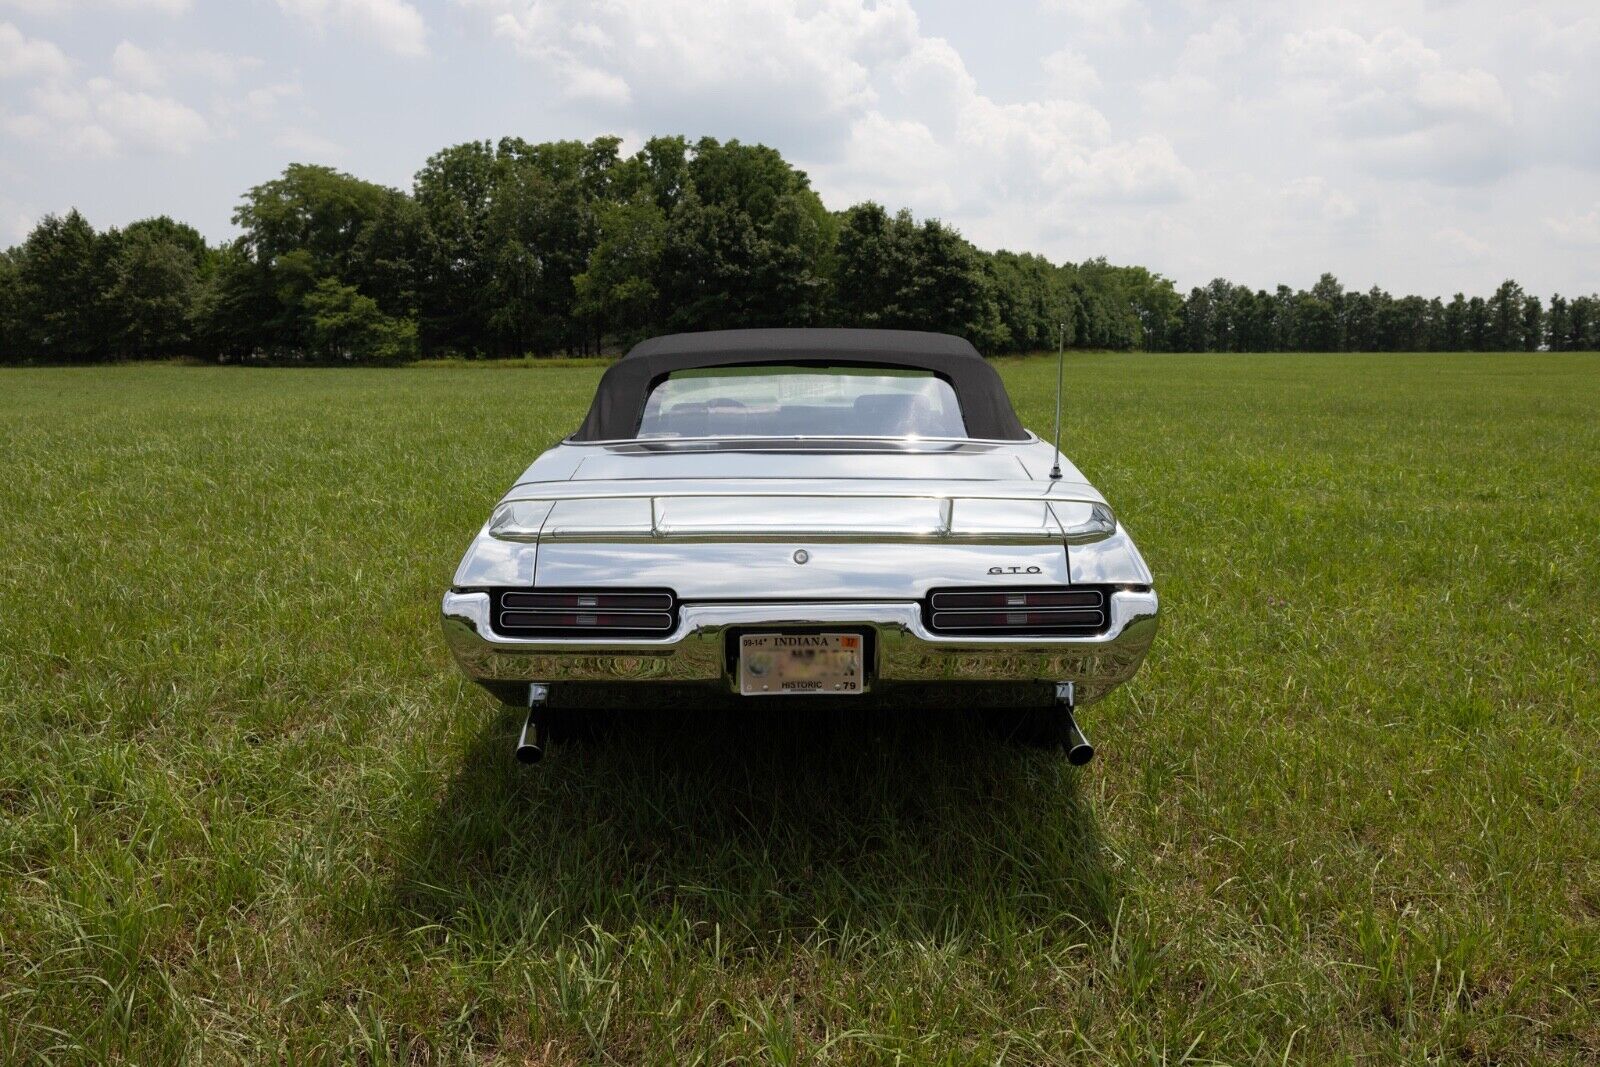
{"points": [[778, 663]]}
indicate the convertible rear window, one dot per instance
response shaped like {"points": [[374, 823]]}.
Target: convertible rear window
{"points": [[802, 401]]}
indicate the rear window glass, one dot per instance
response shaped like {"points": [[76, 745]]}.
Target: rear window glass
{"points": [[779, 401]]}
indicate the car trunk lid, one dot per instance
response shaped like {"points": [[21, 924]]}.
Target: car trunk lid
{"points": [[800, 538]]}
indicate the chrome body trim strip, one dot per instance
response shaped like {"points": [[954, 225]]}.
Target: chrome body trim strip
{"points": [[869, 511]]}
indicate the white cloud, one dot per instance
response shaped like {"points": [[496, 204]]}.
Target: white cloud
{"points": [[867, 103], [308, 147], [1546, 83], [29, 57], [102, 118], [601, 86], [224, 68], [60, 7], [146, 120], [1143, 171], [1401, 107], [920, 168], [262, 103], [1579, 229], [133, 64], [393, 25], [1311, 196], [1102, 19], [723, 61], [1069, 73], [1220, 42], [169, 7], [138, 66], [1458, 242]]}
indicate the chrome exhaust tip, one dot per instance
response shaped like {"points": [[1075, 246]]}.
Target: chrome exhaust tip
{"points": [[529, 746], [1079, 750], [530, 743], [1073, 739]]}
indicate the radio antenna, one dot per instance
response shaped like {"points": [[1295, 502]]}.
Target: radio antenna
{"points": [[1061, 359]]}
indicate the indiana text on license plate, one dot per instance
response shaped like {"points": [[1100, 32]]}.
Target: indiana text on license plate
{"points": [[799, 664]]}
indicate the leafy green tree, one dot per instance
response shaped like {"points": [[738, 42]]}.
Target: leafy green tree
{"points": [[1558, 323], [1358, 328], [1431, 337], [314, 210], [875, 259], [1319, 315], [1479, 325], [1505, 318], [953, 288], [61, 279], [898, 274], [1199, 315], [151, 292], [543, 229], [1033, 299], [510, 228], [617, 294], [1285, 321], [347, 326], [233, 306], [11, 348], [1153, 306], [1120, 304], [180, 234], [389, 256], [664, 162], [744, 243], [455, 190], [1255, 324], [312, 224], [1406, 325], [1583, 324], [1532, 323], [1453, 326]]}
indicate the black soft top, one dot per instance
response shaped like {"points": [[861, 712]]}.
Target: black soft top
{"points": [[618, 406]]}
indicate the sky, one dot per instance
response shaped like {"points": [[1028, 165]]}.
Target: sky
{"points": [[1423, 147]]}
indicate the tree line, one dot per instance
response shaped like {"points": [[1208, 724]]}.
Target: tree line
{"points": [[513, 248]]}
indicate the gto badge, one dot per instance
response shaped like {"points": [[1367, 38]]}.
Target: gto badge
{"points": [[1014, 570]]}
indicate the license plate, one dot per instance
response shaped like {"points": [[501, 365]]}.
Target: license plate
{"points": [[800, 664]]}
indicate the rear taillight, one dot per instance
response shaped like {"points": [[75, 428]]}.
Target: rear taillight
{"points": [[1058, 611], [584, 612]]}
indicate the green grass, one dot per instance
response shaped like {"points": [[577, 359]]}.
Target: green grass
{"points": [[1347, 813]]}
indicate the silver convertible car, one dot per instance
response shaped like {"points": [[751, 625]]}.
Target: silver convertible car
{"points": [[817, 516]]}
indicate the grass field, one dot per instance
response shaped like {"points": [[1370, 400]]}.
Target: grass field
{"points": [[1349, 812]]}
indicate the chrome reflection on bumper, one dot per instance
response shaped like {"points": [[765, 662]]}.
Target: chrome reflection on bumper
{"points": [[906, 652]]}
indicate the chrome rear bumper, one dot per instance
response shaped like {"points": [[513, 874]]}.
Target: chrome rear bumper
{"points": [[905, 654]]}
